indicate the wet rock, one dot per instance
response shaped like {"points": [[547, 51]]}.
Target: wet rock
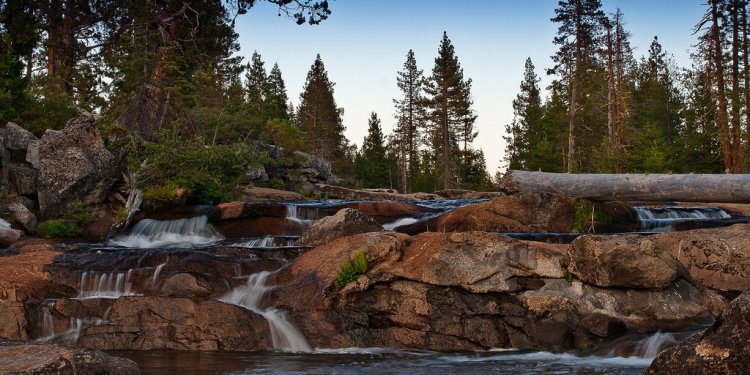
{"points": [[74, 165], [42, 359], [385, 211], [13, 323], [344, 223], [185, 285], [630, 261], [150, 323], [23, 277], [517, 213], [718, 258], [23, 216], [724, 348], [16, 141]]}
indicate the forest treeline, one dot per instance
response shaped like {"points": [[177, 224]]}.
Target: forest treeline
{"points": [[608, 111], [166, 72]]}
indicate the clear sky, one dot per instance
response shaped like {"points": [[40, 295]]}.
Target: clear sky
{"points": [[364, 44]]}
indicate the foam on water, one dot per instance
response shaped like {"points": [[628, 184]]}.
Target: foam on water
{"points": [[400, 222], [284, 334], [105, 285], [663, 219], [182, 233]]}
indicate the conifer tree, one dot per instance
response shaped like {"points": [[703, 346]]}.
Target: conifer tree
{"points": [[373, 167], [411, 119], [450, 113], [579, 38], [275, 97], [319, 119], [525, 129], [257, 86], [17, 40]]}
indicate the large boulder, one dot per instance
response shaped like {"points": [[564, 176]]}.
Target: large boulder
{"points": [[724, 348], [346, 222], [23, 216], [150, 323], [23, 180], [8, 235], [315, 169], [74, 165], [718, 258], [16, 141], [629, 261], [43, 359], [516, 213]]}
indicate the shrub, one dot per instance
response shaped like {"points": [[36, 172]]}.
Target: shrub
{"points": [[76, 211], [58, 228], [586, 211], [350, 270]]}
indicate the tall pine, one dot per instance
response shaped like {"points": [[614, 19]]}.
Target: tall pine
{"points": [[319, 119], [411, 119], [373, 166]]}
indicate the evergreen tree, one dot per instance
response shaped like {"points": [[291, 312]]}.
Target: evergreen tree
{"points": [[257, 86], [275, 97], [451, 116], [410, 120], [373, 167], [17, 40], [319, 119], [579, 38], [526, 129]]}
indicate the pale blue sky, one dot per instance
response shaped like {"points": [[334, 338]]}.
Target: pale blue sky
{"points": [[364, 43]]}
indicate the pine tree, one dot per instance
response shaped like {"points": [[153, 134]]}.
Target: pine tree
{"points": [[257, 86], [319, 119], [451, 116], [373, 167], [526, 128], [579, 38], [410, 120], [275, 103], [17, 40]]}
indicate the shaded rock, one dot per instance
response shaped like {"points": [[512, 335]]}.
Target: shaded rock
{"points": [[150, 323], [344, 223], [8, 235], [724, 348], [74, 165], [13, 322], [258, 193], [718, 258], [23, 180], [185, 285], [338, 192], [255, 173], [315, 169], [16, 141], [23, 216], [385, 211], [55, 359], [32, 153], [629, 261], [517, 213]]}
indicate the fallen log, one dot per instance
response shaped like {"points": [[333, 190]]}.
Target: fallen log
{"points": [[724, 188]]}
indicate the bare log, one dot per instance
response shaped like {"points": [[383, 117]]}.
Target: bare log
{"points": [[725, 188]]}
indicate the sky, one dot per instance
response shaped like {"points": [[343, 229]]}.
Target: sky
{"points": [[364, 43]]}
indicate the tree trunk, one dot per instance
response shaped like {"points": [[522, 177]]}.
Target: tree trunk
{"points": [[726, 148], [648, 187], [736, 132], [611, 91]]}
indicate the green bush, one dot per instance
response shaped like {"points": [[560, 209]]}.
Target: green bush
{"points": [[586, 211], [350, 270], [76, 211], [58, 228]]}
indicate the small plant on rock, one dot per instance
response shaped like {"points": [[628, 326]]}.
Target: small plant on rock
{"points": [[350, 270]]}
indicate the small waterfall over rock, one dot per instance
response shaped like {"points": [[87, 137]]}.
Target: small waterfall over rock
{"points": [[397, 223], [105, 285], [267, 242], [650, 347], [182, 233], [663, 219], [284, 334], [299, 218]]}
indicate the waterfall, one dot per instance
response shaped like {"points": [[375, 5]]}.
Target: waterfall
{"points": [[299, 218], [182, 233], [157, 272], [400, 222], [105, 285], [663, 219], [650, 346], [284, 334], [267, 242], [48, 325]]}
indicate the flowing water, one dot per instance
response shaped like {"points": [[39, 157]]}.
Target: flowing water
{"points": [[664, 219], [182, 233]]}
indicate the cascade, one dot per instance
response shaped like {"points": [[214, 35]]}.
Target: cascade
{"points": [[400, 222], [663, 219], [105, 285], [181, 233], [267, 242], [284, 334], [650, 346], [299, 218]]}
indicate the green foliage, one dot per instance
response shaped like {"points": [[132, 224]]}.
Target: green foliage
{"points": [[350, 270], [586, 211], [373, 169], [282, 133], [58, 228], [77, 212], [568, 276]]}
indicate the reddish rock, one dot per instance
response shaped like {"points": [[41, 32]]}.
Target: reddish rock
{"points": [[43, 359], [261, 194], [722, 349], [517, 213]]}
